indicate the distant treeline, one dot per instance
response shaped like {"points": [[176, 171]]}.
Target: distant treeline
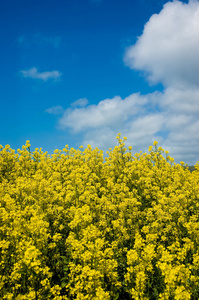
{"points": [[191, 168]]}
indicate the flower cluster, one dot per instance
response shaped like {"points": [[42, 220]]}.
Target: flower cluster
{"points": [[76, 225]]}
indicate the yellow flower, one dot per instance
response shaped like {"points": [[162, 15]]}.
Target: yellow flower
{"points": [[75, 225], [155, 143]]}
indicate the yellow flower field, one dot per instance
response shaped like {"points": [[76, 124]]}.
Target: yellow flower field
{"points": [[76, 225]]}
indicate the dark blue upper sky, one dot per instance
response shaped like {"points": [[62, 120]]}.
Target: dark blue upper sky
{"points": [[56, 52]]}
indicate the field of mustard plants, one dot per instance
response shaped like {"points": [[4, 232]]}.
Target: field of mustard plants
{"points": [[76, 225]]}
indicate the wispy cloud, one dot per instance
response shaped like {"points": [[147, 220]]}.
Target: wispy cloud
{"points": [[80, 102], [39, 40], [55, 110], [33, 73]]}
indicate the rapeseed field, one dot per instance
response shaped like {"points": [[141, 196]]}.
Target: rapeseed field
{"points": [[76, 225]]}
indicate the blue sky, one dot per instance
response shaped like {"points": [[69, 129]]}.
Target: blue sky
{"points": [[77, 72]]}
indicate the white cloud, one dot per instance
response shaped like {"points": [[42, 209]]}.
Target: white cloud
{"points": [[175, 127], [55, 110], [184, 100], [146, 126], [108, 112], [33, 73], [80, 102], [140, 131], [103, 138], [167, 51]]}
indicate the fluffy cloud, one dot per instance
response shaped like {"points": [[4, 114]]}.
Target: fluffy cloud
{"points": [[167, 52], [141, 132], [33, 73], [184, 100], [180, 109], [109, 112]]}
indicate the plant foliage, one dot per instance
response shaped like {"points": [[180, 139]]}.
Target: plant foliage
{"points": [[73, 226]]}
